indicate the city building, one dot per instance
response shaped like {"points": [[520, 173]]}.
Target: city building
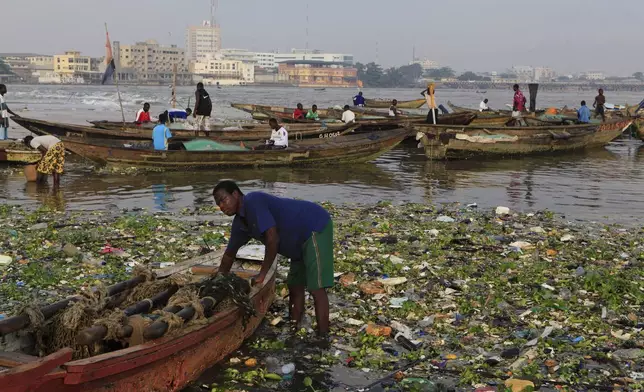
{"points": [[543, 74], [593, 75], [238, 55], [265, 60], [202, 42], [315, 73], [73, 68], [27, 67], [314, 55], [223, 72], [150, 63], [425, 64], [523, 72]]}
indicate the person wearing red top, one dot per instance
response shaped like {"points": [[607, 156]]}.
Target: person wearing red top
{"points": [[143, 115], [518, 106], [298, 114]]}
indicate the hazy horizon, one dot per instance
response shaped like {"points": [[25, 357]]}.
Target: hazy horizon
{"points": [[466, 35]]}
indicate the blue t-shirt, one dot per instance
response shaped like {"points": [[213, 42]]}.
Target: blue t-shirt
{"points": [[160, 136], [295, 221], [358, 100], [583, 114]]}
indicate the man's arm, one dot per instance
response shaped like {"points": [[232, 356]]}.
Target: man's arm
{"points": [[271, 245], [226, 262]]}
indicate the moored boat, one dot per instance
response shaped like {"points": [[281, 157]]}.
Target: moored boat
{"points": [[330, 113], [16, 152], [386, 103], [232, 133], [360, 147], [156, 358], [448, 142]]}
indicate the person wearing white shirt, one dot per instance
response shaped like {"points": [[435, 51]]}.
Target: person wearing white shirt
{"points": [[483, 107], [348, 116], [279, 137]]}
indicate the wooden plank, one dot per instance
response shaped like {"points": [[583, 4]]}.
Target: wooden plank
{"points": [[14, 359], [26, 374], [185, 265]]}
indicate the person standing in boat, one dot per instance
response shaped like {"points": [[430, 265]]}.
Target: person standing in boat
{"points": [[393, 109], [583, 114], [599, 105], [313, 113], [161, 133], [143, 115], [53, 156], [298, 113], [4, 114], [518, 104], [348, 116], [299, 230], [483, 106], [358, 100], [203, 107]]}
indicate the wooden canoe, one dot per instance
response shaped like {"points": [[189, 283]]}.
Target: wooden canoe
{"points": [[168, 363], [448, 142], [386, 103], [246, 133], [361, 147], [330, 113], [16, 152]]}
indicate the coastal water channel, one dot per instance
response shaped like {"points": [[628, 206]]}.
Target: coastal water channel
{"points": [[600, 185]]}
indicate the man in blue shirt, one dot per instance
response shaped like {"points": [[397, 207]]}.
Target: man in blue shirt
{"points": [[161, 133], [299, 230], [583, 114], [358, 100]]}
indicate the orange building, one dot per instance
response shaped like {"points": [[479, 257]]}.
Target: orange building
{"points": [[307, 73]]}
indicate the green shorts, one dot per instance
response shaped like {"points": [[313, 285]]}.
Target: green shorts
{"points": [[315, 270]]}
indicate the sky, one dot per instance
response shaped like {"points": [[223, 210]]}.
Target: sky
{"points": [[468, 35]]}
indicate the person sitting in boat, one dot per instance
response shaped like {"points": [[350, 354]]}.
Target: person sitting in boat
{"points": [[161, 133], [53, 156], [313, 113], [483, 106], [4, 114], [583, 114], [279, 137], [143, 115], [358, 100], [348, 116], [298, 113], [299, 230], [393, 109]]}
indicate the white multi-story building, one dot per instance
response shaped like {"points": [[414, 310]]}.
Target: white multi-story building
{"points": [[202, 42], [223, 72], [593, 75], [150, 62], [425, 64], [238, 55], [543, 74], [265, 60], [523, 72], [313, 55]]}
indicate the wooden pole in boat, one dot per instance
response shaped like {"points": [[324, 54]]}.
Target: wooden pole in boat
{"points": [[116, 81], [174, 86]]}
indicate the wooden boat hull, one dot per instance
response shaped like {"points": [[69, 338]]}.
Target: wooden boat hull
{"points": [[263, 112], [383, 103], [463, 143], [14, 152], [165, 364], [333, 150], [259, 132]]}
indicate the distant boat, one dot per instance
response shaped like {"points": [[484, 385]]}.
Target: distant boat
{"points": [[320, 89], [481, 92]]}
